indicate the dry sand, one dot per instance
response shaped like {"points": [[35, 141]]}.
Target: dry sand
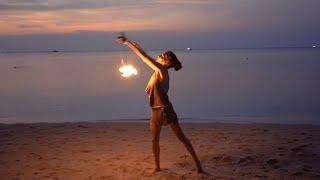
{"points": [[123, 151]]}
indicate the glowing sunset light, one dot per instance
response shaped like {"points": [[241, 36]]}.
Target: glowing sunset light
{"points": [[71, 25], [128, 70]]}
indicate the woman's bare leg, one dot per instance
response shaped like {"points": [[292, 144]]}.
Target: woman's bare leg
{"points": [[155, 130], [179, 133]]}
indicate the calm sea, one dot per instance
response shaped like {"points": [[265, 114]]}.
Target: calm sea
{"points": [[250, 86]]}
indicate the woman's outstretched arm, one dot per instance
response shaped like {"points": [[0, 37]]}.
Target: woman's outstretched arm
{"points": [[140, 52]]}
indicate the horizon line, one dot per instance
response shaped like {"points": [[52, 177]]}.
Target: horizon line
{"points": [[55, 50]]}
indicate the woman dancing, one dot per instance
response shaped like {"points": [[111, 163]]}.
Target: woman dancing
{"points": [[162, 112]]}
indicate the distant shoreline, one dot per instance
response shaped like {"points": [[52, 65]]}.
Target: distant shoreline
{"points": [[56, 51]]}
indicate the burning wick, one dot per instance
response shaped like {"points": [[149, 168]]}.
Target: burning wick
{"points": [[128, 70]]}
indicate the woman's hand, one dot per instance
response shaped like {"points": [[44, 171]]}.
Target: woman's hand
{"points": [[121, 39]]}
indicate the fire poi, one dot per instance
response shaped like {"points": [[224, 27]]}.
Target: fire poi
{"points": [[127, 70]]}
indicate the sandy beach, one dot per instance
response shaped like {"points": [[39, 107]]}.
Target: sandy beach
{"points": [[123, 151]]}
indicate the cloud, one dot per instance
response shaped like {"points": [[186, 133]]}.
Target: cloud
{"points": [[27, 26], [60, 16], [49, 4], [85, 4]]}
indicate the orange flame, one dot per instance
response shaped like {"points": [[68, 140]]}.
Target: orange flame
{"points": [[128, 70]]}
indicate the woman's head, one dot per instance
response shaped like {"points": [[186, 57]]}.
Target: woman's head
{"points": [[170, 60]]}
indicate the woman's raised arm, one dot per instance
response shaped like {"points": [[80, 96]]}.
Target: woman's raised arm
{"points": [[140, 52]]}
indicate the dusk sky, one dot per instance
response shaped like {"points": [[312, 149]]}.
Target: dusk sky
{"points": [[92, 25]]}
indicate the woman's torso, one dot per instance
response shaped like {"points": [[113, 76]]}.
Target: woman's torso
{"points": [[157, 89]]}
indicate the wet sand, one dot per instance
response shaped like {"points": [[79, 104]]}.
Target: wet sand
{"points": [[123, 151]]}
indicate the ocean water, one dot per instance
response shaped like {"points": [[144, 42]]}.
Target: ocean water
{"points": [[251, 86]]}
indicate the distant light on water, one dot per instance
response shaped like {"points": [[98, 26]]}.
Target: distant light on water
{"points": [[314, 46]]}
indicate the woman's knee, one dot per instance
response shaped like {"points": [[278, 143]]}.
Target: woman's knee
{"points": [[181, 136], [179, 133], [155, 130]]}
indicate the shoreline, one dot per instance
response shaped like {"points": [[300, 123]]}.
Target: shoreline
{"points": [[146, 121]]}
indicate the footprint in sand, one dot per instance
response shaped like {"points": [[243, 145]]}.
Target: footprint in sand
{"points": [[85, 151], [299, 150], [183, 157], [261, 176], [42, 169], [82, 126], [217, 158], [281, 148], [183, 164], [105, 177], [297, 173], [274, 163], [246, 161], [307, 168], [227, 160], [37, 156]]}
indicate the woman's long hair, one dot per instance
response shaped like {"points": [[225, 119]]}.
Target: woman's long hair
{"points": [[172, 60]]}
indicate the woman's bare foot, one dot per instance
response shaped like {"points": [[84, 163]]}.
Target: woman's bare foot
{"points": [[156, 170], [202, 172], [199, 168]]}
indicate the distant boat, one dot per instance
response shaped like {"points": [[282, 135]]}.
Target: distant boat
{"points": [[55, 51], [314, 46], [189, 49]]}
